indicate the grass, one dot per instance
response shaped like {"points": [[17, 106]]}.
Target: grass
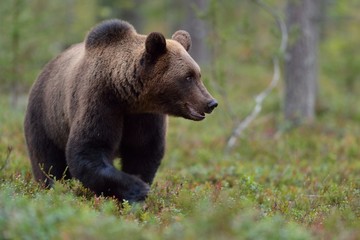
{"points": [[278, 183]]}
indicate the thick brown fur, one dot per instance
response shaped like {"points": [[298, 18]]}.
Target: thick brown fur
{"points": [[108, 97]]}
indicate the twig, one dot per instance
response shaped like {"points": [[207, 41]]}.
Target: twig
{"points": [[9, 150], [239, 129]]}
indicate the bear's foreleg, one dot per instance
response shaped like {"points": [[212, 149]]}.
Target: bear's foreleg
{"points": [[143, 144], [89, 153]]}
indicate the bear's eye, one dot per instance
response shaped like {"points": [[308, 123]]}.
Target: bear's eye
{"points": [[189, 78]]}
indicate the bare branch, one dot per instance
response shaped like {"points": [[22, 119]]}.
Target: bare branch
{"points": [[9, 150], [275, 79]]}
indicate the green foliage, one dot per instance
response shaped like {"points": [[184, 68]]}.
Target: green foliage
{"points": [[340, 50], [299, 184], [31, 35]]}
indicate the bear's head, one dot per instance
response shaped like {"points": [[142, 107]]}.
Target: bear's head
{"points": [[173, 78]]}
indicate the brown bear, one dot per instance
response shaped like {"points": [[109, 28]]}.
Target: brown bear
{"points": [[108, 97]]}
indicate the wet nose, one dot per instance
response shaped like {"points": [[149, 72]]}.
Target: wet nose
{"points": [[212, 104]]}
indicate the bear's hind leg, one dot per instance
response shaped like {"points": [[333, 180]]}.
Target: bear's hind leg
{"points": [[143, 144], [47, 160], [49, 165]]}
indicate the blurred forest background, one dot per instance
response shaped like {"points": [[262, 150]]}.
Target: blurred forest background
{"points": [[228, 37], [275, 181]]}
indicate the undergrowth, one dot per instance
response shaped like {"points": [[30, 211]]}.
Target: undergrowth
{"points": [[279, 182]]}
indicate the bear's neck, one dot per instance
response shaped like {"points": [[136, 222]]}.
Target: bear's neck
{"points": [[125, 77]]}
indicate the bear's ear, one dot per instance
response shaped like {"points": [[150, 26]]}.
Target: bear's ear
{"points": [[183, 37], [155, 45]]}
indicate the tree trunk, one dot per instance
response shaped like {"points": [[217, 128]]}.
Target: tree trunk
{"points": [[301, 63], [198, 30]]}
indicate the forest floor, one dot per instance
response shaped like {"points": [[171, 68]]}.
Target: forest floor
{"points": [[278, 183]]}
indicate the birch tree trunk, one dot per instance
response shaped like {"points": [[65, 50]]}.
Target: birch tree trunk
{"points": [[301, 60]]}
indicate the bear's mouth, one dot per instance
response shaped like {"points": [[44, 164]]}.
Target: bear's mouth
{"points": [[193, 114]]}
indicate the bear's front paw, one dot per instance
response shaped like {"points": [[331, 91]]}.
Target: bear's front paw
{"points": [[136, 190]]}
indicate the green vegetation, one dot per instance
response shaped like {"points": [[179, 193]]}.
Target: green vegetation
{"points": [[298, 184], [278, 183]]}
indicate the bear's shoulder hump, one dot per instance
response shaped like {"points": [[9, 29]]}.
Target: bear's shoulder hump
{"points": [[108, 32]]}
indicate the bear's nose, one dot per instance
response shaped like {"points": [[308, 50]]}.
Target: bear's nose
{"points": [[212, 104]]}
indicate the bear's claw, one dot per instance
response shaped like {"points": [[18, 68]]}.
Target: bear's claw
{"points": [[136, 191]]}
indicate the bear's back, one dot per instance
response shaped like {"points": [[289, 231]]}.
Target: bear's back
{"points": [[109, 33]]}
